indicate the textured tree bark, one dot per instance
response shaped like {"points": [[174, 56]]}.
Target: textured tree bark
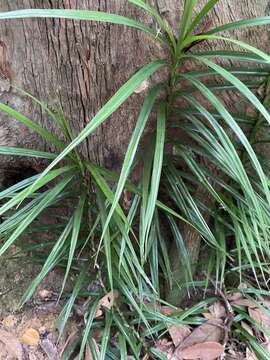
{"points": [[79, 65], [75, 65]]}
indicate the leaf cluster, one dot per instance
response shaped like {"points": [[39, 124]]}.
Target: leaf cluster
{"points": [[128, 249]]}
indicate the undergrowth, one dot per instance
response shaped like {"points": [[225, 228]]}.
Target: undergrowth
{"points": [[213, 185]]}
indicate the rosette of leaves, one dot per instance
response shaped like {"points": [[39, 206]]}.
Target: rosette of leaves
{"points": [[217, 160]]}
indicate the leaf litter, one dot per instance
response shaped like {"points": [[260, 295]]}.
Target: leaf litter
{"points": [[206, 341]]}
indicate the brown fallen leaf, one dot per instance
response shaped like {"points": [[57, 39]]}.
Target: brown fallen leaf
{"points": [[237, 295], [260, 316], [168, 310], [209, 331], [13, 347], [205, 351], [250, 355], [164, 346], [217, 310], [207, 316], [178, 333], [30, 337], [88, 354], [107, 301], [243, 302]]}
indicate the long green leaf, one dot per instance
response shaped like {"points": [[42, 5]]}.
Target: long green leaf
{"points": [[33, 126], [15, 151], [183, 255], [9, 192], [45, 180], [132, 148], [185, 21], [65, 313], [232, 55], [153, 12], [108, 109], [259, 21], [107, 237], [241, 71], [198, 38], [105, 188], [235, 127], [255, 101], [76, 226], [205, 10], [50, 196], [77, 15], [87, 329], [50, 262], [156, 171], [238, 84], [106, 334]]}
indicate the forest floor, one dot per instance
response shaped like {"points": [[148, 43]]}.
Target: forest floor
{"points": [[31, 333]]}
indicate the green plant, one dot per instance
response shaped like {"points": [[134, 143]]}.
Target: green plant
{"points": [[129, 249]]}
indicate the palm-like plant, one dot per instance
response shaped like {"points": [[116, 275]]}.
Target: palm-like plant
{"points": [[179, 190]]}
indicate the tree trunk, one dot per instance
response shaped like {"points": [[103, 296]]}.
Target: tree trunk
{"points": [[79, 65], [74, 65]]}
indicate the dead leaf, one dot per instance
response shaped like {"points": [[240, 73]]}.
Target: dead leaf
{"points": [[107, 301], [168, 310], [208, 316], [237, 295], [250, 355], [30, 337], [88, 354], [205, 351], [13, 347], [165, 346], [209, 331], [178, 333], [243, 302], [260, 316], [217, 310]]}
